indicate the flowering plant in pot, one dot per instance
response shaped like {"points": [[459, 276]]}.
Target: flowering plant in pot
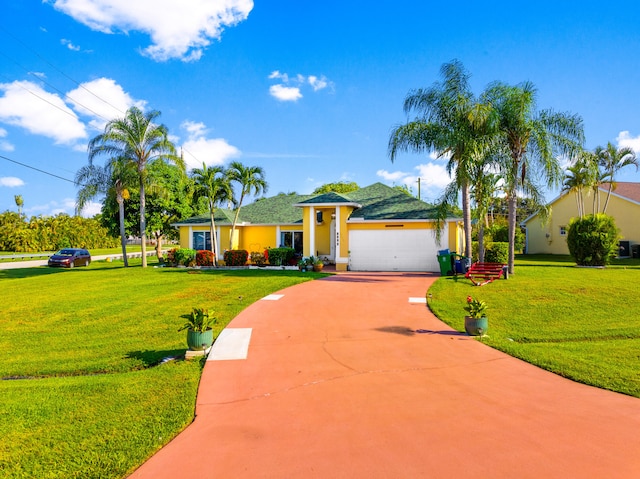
{"points": [[476, 322], [199, 329]]}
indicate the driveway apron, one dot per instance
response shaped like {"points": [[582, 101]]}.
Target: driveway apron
{"points": [[352, 377]]}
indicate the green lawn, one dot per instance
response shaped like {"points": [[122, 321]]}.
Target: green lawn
{"points": [[85, 392], [582, 323]]}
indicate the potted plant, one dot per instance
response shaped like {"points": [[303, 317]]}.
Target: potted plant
{"points": [[317, 264], [199, 330], [476, 322], [304, 264]]}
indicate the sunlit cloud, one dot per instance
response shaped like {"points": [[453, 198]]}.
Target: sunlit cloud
{"points": [[26, 105], [199, 149], [290, 87], [178, 30], [11, 182], [625, 140]]}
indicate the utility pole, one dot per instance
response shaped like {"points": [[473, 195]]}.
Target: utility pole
{"points": [[418, 188]]}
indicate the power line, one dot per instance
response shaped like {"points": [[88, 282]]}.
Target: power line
{"points": [[38, 170]]}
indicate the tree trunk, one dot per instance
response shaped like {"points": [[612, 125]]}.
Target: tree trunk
{"points": [[513, 201], [123, 238], [143, 225], [481, 241], [235, 220], [466, 216], [158, 236], [214, 239]]}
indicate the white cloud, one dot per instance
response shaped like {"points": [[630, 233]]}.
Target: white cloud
{"points": [[198, 148], [5, 145], [27, 105], [433, 179], [290, 88], [53, 208], [177, 29], [317, 83], [11, 182], [70, 45], [91, 209], [285, 93], [102, 100], [625, 140], [391, 176]]}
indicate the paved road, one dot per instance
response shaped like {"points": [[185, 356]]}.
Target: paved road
{"points": [[353, 377], [43, 262]]}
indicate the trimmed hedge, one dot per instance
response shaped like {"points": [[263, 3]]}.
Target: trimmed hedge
{"points": [[185, 256], [280, 256], [236, 257], [593, 239], [204, 257], [494, 252]]}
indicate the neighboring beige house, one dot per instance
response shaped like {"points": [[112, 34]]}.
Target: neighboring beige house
{"points": [[550, 237], [376, 228]]}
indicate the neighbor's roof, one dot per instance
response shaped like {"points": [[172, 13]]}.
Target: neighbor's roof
{"points": [[623, 189], [376, 202], [627, 190]]}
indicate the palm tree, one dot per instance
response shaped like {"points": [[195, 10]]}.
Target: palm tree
{"points": [[452, 123], [251, 180], [212, 184], [532, 140], [138, 140], [115, 177], [612, 160], [19, 203]]}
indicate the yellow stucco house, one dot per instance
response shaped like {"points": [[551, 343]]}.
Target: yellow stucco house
{"points": [[550, 237], [376, 228]]}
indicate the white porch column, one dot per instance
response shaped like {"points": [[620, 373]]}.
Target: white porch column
{"points": [[190, 237], [277, 242]]}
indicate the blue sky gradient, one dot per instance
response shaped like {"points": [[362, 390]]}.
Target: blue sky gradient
{"points": [[308, 90]]}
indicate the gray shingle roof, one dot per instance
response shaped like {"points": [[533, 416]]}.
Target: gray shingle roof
{"points": [[377, 202]]}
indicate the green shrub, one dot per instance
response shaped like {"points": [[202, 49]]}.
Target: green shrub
{"points": [[280, 256], [499, 233], [593, 239], [185, 256], [204, 257], [494, 252], [258, 258], [236, 257], [497, 252]]}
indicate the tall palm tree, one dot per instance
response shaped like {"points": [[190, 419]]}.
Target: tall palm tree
{"points": [[451, 122], [612, 160], [212, 184], [532, 140], [116, 177], [19, 203], [138, 140], [251, 180]]}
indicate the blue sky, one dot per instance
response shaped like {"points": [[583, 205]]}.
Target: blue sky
{"points": [[308, 90]]}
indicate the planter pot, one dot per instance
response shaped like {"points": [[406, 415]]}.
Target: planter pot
{"points": [[318, 267], [476, 326], [198, 341]]}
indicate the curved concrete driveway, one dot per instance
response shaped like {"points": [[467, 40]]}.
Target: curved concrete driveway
{"points": [[351, 377]]}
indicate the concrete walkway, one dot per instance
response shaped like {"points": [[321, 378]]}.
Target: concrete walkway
{"points": [[353, 377]]}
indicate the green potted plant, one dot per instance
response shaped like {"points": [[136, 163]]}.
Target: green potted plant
{"points": [[317, 264], [476, 322], [199, 330]]}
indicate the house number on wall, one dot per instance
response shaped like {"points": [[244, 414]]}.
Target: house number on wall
{"points": [[337, 239]]}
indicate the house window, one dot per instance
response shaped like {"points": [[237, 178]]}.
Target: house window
{"points": [[201, 240], [291, 239], [563, 231]]}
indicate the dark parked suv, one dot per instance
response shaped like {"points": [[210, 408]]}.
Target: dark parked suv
{"points": [[70, 257]]}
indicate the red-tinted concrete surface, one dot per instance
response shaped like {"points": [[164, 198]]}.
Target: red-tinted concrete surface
{"points": [[345, 378]]}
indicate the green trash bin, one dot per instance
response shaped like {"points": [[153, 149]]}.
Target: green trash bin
{"points": [[444, 260]]}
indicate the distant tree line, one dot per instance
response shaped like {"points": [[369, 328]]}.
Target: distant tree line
{"points": [[51, 233]]}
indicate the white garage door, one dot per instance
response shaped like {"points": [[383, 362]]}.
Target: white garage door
{"points": [[394, 250]]}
